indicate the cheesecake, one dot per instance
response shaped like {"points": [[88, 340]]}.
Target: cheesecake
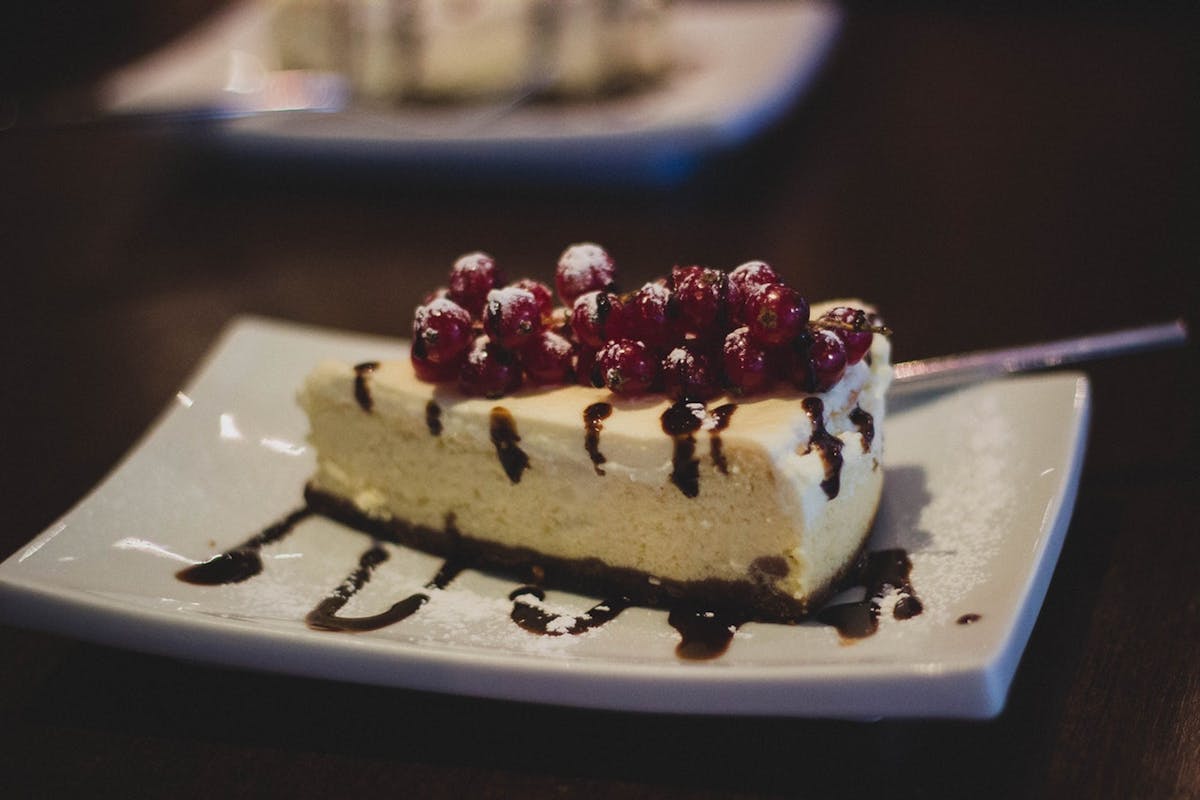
{"points": [[749, 496]]}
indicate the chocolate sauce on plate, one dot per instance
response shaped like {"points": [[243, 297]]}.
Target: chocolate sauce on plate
{"points": [[243, 561], [325, 616], [705, 634], [535, 619], [878, 572]]}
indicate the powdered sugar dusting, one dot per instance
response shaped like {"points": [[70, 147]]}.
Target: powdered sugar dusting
{"points": [[462, 614], [737, 341], [656, 290], [583, 260], [556, 343], [509, 296], [827, 335], [472, 610], [477, 261], [954, 538], [588, 304], [477, 355], [437, 307], [583, 268], [678, 357]]}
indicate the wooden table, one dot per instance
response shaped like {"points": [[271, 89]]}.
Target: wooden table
{"points": [[987, 179]]}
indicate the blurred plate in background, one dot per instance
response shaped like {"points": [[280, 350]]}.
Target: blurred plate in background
{"points": [[736, 69]]}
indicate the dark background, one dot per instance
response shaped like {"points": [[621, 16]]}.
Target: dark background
{"points": [[987, 178]]}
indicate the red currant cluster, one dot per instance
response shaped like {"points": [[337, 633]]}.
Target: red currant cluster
{"points": [[693, 335]]}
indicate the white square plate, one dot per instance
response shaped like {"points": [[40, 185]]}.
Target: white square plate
{"points": [[979, 486]]}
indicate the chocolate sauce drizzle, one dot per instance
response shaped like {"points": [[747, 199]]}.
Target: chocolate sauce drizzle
{"points": [[828, 445], [362, 391], [866, 426], [705, 634], [681, 421], [433, 417], [504, 437], [721, 416], [878, 572], [968, 619], [243, 561], [325, 617], [593, 417], [535, 619]]}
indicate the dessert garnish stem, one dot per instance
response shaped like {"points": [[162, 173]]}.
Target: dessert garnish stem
{"points": [[952, 370]]}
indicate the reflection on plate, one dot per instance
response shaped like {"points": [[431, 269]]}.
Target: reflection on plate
{"points": [[979, 488], [739, 68]]}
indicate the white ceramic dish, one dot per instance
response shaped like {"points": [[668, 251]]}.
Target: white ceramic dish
{"points": [[739, 67], [979, 488]]}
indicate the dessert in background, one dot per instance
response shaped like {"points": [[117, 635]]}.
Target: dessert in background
{"points": [[393, 50]]}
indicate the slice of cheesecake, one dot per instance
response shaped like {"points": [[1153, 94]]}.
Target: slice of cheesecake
{"points": [[757, 504]]}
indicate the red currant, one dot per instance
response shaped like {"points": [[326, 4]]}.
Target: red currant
{"points": [[583, 268], [854, 329], [442, 330], [742, 281], [511, 317], [548, 359], [826, 362], [775, 314], [651, 315], [489, 370], [541, 291], [687, 374], [627, 366], [595, 317], [703, 296], [430, 372], [747, 364], [471, 278]]}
